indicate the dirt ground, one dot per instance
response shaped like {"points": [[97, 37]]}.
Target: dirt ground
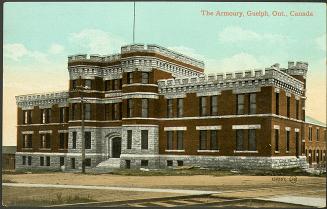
{"points": [[235, 186]]}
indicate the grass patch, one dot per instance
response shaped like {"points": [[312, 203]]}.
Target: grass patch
{"points": [[57, 199]]}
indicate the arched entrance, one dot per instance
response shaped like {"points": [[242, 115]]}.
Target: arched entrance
{"points": [[116, 147]]}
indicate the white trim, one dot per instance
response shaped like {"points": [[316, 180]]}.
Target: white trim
{"points": [[252, 126], [140, 84], [147, 95], [96, 127], [58, 153], [139, 118], [95, 121], [41, 124], [181, 128], [174, 95], [139, 125], [245, 151], [62, 131], [208, 127], [276, 127], [45, 132], [297, 130], [208, 93], [277, 90], [174, 150], [287, 128], [27, 132], [277, 152], [207, 150]]}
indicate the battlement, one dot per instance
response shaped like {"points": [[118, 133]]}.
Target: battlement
{"points": [[272, 72], [42, 96], [94, 57]]}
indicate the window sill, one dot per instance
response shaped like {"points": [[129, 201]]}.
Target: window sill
{"points": [[277, 152], [202, 150], [169, 150], [27, 148], [245, 151], [287, 152], [45, 149]]}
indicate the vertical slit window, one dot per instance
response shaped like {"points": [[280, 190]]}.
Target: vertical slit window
{"points": [[240, 104]]}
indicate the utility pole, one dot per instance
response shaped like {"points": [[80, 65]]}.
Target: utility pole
{"points": [[82, 130]]}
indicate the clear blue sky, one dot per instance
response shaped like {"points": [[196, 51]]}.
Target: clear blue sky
{"points": [[38, 37]]}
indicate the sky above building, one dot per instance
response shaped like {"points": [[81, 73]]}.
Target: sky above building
{"points": [[38, 37]]}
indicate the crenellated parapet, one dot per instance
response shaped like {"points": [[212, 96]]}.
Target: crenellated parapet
{"points": [[94, 57], [247, 81], [42, 100]]}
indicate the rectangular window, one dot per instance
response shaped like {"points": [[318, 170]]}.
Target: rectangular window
{"points": [[46, 115], [24, 160], [128, 164], [170, 135], [48, 141], [288, 106], [130, 78], [129, 139], [88, 162], [169, 163], [62, 161], [144, 163], [214, 105], [48, 161], [41, 161], [317, 134], [74, 140], [87, 140], [145, 108], [74, 111], [240, 104], [145, 77], [116, 84], [203, 140], [27, 141], [107, 85], [297, 106], [180, 140], [180, 107], [214, 140], [27, 116], [29, 160], [115, 113], [169, 108], [144, 139], [203, 106], [179, 163], [74, 84], [129, 108], [277, 103], [61, 140], [88, 84], [287, 141], [87, 111], [276, 140], [252, 104], [72, 160], [239, 140], [310, 133], [63, 115], [107, 111], [252, 140]]}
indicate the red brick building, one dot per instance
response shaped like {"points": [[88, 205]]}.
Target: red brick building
{"points": [[152, 107]]}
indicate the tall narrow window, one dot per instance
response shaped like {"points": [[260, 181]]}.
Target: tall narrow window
{"points": [[62, 161], [115, 84], [287, 141], [297, 106], [61, 140], [41, 161], [24, 160], [87, 136], [74, 84], [46, 115], [145, 108], [288, 106], [276, 140], [277, 103], [203, 106], [48, 141], [169, 108], [115, 113], [252, 104], [129, 139], [144, 139], [203, 140], [72, 160], [74, 140], [43, 141], [48, 160], [25, 119], [107, 111], [170, 139], [180, 107], [214, 140], [252, 140], [180, 140], [240, 104], [317, 134], [130, 78], [310, 133], [107, 85], [214, 105], [239, 140], [145, 77], [87, 111], [74, 111], [29, 160], [27, 116], [27, 141], [88, 84], [62, 114], [129, 108]]}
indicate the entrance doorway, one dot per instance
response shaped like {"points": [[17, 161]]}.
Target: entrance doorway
{"points": [[116, 147]]}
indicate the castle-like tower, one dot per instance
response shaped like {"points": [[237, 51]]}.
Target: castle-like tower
{"points": [[152, 107]]}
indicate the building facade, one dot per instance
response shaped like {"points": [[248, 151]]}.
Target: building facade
{"points": [[152, 107]]}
